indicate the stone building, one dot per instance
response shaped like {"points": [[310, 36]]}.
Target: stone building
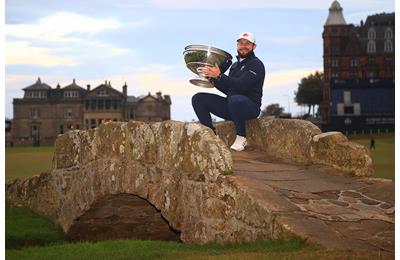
{"points": [[359, 76], [44, 112]]}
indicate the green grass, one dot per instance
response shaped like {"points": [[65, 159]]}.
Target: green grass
{"points": [[29, 236], [36, 238], [23, 228], [383, 156], [23, 162], [136, 249]]}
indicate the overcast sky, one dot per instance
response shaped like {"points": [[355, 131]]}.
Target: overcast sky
{"points": [[141, 43]]}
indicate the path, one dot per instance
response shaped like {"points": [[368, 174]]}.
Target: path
{"points": [[335, 211]]}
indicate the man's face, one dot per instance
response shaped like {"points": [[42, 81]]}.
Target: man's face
{"points": [[244, 47]]}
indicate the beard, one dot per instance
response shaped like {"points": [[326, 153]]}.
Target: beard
{"points": [[243, 56]]}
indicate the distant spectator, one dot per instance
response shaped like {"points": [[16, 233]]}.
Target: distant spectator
{"points": [[372, 143]]}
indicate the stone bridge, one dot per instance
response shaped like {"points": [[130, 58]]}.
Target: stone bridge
{"points": [[178, 181]]}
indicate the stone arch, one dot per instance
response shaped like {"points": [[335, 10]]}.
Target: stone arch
{"points": [[122, 216]]}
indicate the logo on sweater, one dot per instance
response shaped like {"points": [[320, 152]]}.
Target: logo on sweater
{"points": [[242, 68]]}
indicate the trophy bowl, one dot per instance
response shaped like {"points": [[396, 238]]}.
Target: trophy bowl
{"points": [[198, 56]]}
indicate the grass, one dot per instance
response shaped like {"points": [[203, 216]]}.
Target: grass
{"points": [[136, 249], [23, 162], [30, 237], [33, 237], [383, 156], [25, 228]]}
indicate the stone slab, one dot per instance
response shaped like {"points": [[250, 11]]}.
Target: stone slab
{"points": [[324, 207]]}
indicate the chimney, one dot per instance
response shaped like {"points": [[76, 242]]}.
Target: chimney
{"points": [[88, 87], [58, 86], [159, 95], [125, 89]]}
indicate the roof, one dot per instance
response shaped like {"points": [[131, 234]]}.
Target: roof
{"points": [[106, 85], [379, 23], [382, 19], [38, 86], [335, 16], [73, 85]]}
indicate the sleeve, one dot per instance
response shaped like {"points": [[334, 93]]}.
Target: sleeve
{"points": [[252, 74]]}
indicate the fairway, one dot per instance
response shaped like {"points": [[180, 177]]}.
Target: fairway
{"points": [[23, 162], [382, 156]]}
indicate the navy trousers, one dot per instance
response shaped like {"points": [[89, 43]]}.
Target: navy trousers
{"points": [[237, 108]]}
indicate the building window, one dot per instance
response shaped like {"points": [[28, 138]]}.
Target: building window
{"points": [[77, 127], [334, 50], [371, 61], [371, 34], [388, 61], [100, 104], [335, 75], [353, 62], [71, 94], [388, 34], [35, 112], [68, 113], [92, 123], [102, 92], [61, 129], [93, 104], [335, 63], [371, 46], [388, 46]]}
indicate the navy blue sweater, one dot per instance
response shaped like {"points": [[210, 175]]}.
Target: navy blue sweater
{"points": [[245, 78]]}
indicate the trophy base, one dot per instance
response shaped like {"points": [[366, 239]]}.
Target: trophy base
{"points": [[203, 83]]}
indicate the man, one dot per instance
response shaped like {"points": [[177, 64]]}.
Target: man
{"points": [[243, 88]]}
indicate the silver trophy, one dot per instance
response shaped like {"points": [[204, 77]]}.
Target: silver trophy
{"points": [[198, 56]]}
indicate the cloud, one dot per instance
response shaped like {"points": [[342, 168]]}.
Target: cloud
{"points": [[23, 53], [61, 26], [73, 35]]}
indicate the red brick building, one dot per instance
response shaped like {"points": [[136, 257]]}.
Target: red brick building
{"points": [[358, 90]]}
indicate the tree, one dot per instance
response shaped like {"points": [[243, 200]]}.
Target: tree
{"points": [[309, 92], [272, 110]]}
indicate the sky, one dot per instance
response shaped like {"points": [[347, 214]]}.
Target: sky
{"points": [[142, 42]]}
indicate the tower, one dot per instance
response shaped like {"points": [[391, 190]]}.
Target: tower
{"points": [[334, 38]]}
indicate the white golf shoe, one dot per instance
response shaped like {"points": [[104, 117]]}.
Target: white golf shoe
{"points": [[239, 144]]}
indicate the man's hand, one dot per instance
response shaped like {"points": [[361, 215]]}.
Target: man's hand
{"points": [[211, 72]]}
